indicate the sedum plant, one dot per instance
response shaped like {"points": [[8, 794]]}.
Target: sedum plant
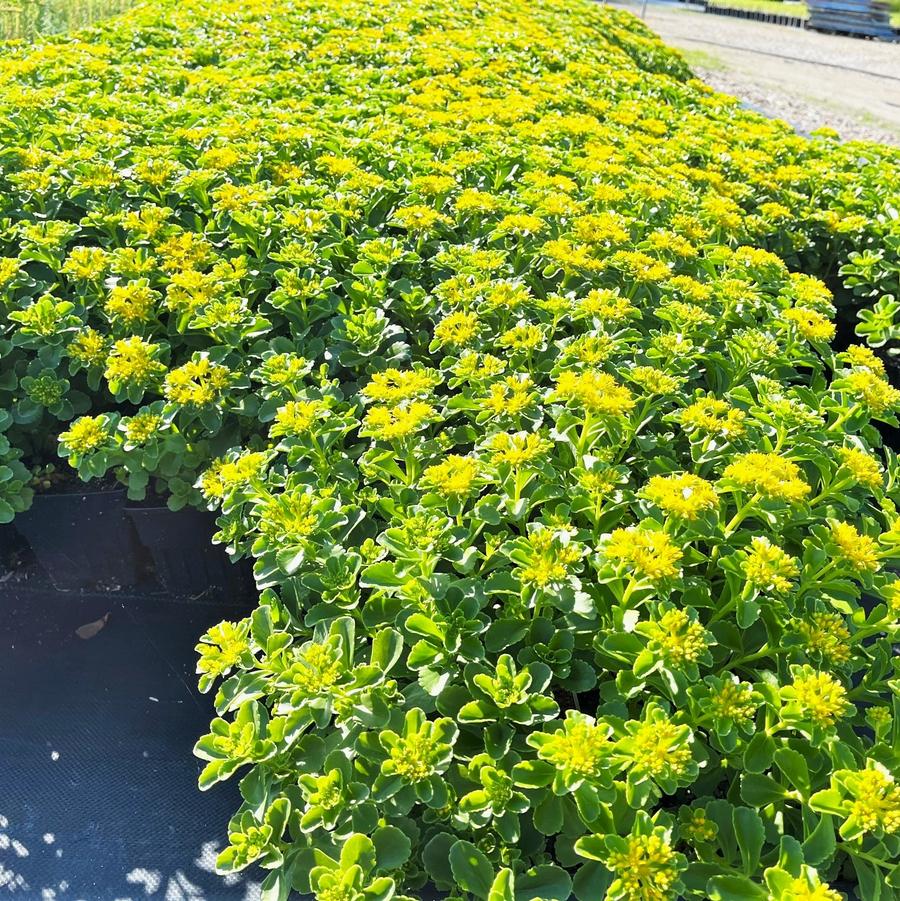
{"points": [[210, 213], [518, 361], [578, 628]]}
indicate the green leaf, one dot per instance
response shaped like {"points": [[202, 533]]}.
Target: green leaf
{"points": [[502, 888], [793, 764], [381, 575], [735, 888], [759, 790], [387, 646], [548, 815], [828, 801], [358, 850], [592, 847], [870, 880], [547, 883], [436, 860], [471, 869], [392, 847], [591, 881], [750, 834], [820, 845], [759, 753]]}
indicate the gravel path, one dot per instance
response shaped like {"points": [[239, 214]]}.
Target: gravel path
{"points": [[806, 78]]}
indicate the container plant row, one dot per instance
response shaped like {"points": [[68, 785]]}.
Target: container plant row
{"points": [[521, 365]]}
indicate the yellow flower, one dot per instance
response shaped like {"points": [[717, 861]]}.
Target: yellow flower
{"points": [[874, 392], [419, 218], [197, 383], [803, 889], [685, 495], [591, 349], [713, 417], [221, 648], [865, 469], [132, 361], [522, 337], [225, 475], [510, 396], [651, 552], [551, 558], [768, 568], [647, 871], [857, 355], [88, 347], [810, 291], [660, 748], [316, 668], [518, 449], [607, 306], [456, 477], [769, 475], [458, 329], [9, 269], [506, 295], [141, 427], [393, 423], [820, 696], [85, 263], [891, 593], [289, 518], [734, 700], [520, 224], [811, 324], [680, 639], [655, 381], [473, 201], [336, 165], [394, 386], [826, 634], [877, 804], [188, 250], [132, 303], [581, 747], [857, 549], [86, 434], [596, 392], [296, 417]]}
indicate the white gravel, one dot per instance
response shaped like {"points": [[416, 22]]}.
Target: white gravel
{"points": [[806, 78]]}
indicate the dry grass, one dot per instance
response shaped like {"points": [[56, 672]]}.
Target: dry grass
{"points": [[25, 19]]}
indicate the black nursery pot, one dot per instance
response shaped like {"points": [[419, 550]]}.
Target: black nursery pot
{"points": [[83, 539], [186, 562]]}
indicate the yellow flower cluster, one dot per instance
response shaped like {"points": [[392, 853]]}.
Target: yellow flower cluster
{"points": [[646, 869], [455, 477], [680, 640], [877, 802], [595, 392], [768, 568], [769, 475], [826, 634], [686, 495], [821, 697], [651, 552], [197, 383], [734, 700], [858, 550], [86, 435]]}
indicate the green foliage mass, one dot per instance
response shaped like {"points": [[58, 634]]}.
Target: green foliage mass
{"points": [[507, 352]]}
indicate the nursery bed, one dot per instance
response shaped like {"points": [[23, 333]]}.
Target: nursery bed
{"points": [[98, 795]]}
